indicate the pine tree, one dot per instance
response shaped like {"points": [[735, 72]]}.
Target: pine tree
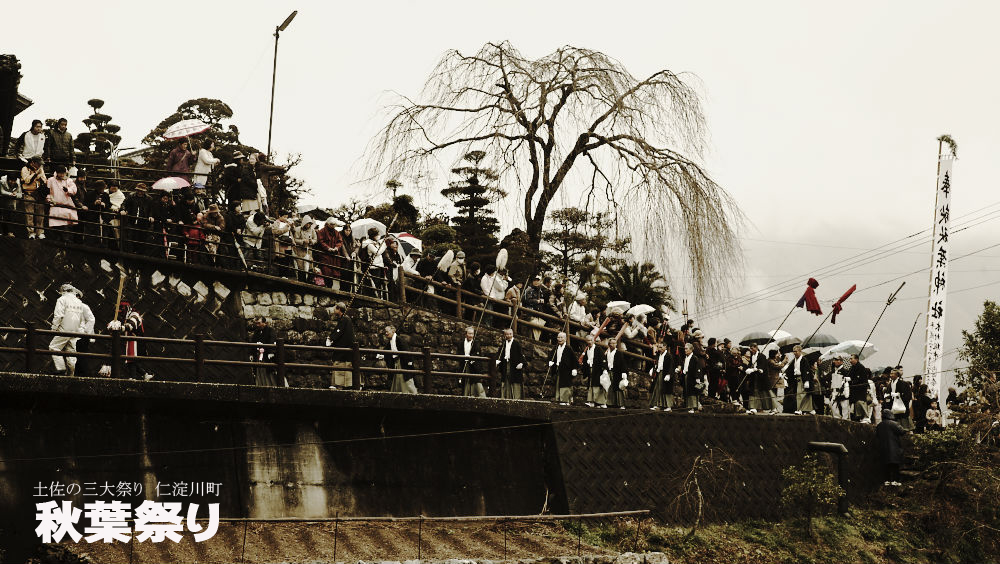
{"points": [[472, 194]]}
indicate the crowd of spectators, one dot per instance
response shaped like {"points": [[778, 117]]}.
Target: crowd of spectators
{"points": [[230, 225]]}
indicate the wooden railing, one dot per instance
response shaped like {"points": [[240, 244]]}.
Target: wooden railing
{"points": [[463, 301], [282, 364]]}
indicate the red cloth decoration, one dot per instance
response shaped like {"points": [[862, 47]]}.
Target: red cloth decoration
{"points": [[837, 306], [809, 298]]}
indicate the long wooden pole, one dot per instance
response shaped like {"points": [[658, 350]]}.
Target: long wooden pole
{"points": [[908, 340], [888, 302]]}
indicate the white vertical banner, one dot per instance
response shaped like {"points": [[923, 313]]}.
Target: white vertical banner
{"points": [[938, 284]]}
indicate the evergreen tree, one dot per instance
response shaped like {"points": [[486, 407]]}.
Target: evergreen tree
{"points": [[472, 194]]}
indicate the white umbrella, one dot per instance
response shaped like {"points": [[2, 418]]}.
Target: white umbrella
{"points": [[619, 306], [185, 128], [360, 227], [854, 347], [445, 263], [170, 183], [502, 259], [778, 335], [641, 309]]}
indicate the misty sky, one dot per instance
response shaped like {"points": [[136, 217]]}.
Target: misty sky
{"points": [[823, 117]]}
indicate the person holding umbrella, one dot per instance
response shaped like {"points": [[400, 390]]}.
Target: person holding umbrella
{"points": [[180, 160]]}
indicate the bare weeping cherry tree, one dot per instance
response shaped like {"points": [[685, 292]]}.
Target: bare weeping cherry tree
{"points": [[575, 120]]}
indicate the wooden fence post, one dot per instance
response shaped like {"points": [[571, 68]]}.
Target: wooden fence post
{"points": [[428, 381], [458, 303], [356, 367]]}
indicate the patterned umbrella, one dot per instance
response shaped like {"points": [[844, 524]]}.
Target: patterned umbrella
{"points": [[185, 128], [170, 183], [408, 242]]}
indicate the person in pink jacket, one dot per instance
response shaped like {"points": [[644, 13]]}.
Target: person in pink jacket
{"points": [[62, 208]]}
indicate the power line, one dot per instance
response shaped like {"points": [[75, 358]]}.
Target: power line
{"points": [[844, 266]]}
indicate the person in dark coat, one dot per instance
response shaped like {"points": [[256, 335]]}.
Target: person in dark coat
{"points": [[510, 363], [592, 362], [887, 434], [565, 365], [857, 379], [341, 337], [400, 382], [616, 365], [692, 371], [263, 335], [800, 375], [469, 347], [138, 211], [163, 214], [661, 395], [899, 388]]}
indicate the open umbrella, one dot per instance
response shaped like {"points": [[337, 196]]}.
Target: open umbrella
{"points": [[620, 306], [170, 183], [786, 344], [812, 355], [641, 309], [408, 242], [820, 340], [854, 347], [501, 259], [755, 338], [445, 263], [185, 128], [361, 226]]}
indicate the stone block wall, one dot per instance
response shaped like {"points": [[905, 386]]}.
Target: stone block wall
{"points": [[302, 318]]}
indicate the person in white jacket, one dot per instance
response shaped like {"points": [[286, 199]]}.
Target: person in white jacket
{"points": [[206, 160], [72, 316]]}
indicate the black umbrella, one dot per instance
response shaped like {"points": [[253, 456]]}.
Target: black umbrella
{"points": [[786, 344], [820, 340], [755, 338]]}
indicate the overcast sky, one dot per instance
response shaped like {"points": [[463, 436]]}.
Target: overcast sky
{"points": [[823, 117]]}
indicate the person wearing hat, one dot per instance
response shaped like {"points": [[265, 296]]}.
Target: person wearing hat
{"points": [[71, 315], [213, 224], [458, 271], [327, 252], [536, 300]]}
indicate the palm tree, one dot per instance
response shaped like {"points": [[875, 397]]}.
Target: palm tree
{"points": [[634, 283]]}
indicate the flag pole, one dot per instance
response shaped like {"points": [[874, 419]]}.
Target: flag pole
{"points": [[806, 342], [780, 325], [888, 302], [908, 339]]}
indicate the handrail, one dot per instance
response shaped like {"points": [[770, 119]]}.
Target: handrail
{"points": [[574, 326], [33, 347]]}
